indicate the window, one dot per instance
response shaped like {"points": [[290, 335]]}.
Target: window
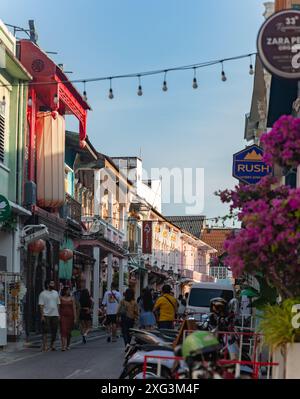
{"points": [[201, 297], [2, 137]]}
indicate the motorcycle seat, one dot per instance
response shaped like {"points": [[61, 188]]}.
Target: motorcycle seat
{"points": [[148, 348]]}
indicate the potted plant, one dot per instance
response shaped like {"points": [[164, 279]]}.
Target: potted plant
{"points": [[282, 333]]}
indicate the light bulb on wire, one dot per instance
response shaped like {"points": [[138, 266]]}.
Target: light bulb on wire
{"points": [[84, 92], [251, 69], [195, 84], [55, 99], [140, 90], [223, 75], [110, 93], [29, 102], [165, 87]]}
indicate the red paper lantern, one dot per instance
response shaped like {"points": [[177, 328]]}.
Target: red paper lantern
{"points": [[37, 246], [65, 254]]}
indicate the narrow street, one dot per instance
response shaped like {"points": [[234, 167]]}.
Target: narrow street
{"points": [[150, 191], [96, 359]]}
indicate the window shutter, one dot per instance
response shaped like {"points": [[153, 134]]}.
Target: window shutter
{"points": [[2, 138]]}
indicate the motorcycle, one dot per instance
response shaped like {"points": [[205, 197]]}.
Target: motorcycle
{"points": [[148, 343]]}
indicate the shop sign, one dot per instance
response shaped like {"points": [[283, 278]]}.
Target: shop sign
{"points": [[5, 209], [147, 237], [248, 166], [278, 44]]}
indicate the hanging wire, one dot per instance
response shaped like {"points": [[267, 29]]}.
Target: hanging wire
{"points": [[141, 74]]}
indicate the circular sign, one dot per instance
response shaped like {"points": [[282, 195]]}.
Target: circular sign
{"points": [[5, 209], [37, 65], [278, 44]]}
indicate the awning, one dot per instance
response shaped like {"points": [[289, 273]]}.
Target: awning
{"points": [[282, 95], [19, 210], [56, 226], [105, 245], [136, 264], [83, 257]]}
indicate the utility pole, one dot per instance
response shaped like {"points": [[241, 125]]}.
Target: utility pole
{"points": [[32, 32]]}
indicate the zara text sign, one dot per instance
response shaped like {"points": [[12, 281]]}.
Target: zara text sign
{"points": [[278, 44]]}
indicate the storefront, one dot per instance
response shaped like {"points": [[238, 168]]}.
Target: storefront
{"points": [[41, 263]]}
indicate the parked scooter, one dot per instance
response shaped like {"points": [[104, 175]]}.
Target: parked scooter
{"points": [[149, 343]]}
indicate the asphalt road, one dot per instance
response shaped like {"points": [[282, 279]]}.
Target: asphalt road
{"points": [[96, 359]]}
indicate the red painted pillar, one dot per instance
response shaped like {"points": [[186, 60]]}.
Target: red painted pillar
{"points": [[31, 112]]}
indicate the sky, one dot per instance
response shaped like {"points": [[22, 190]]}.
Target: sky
{"points": [[180, 128]]}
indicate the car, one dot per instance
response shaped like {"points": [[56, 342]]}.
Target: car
{"points": [[198, 301]]}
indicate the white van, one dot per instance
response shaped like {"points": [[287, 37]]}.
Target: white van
{"points": [[201, 294]]}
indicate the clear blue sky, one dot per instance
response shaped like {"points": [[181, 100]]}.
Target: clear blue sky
{"points": [[183, 127]]}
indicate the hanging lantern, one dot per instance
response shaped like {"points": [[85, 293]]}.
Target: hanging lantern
{"points": [[65, 254], [37, 246]]}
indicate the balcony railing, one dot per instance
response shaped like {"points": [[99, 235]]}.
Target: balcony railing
{"points": [[104, 229], [220, 272], [71, 209]]}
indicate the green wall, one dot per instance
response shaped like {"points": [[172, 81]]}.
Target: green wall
{"points": [[12, 179]]}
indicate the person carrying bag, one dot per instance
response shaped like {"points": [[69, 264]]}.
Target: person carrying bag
{"points": [[127, 314], [167, 306]]}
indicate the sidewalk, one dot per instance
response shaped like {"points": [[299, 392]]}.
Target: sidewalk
{"points": [[16, 351]]}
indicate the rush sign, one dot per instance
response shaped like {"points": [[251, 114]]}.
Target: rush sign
{"points": [[147, 237], [248, 165]]}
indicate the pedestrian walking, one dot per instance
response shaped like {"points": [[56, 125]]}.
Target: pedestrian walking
{"points": [[76, 296], [128, 313], [111, 301], [166, 306], [49, 307], [146, 304], [67, 317], [85, 314]]}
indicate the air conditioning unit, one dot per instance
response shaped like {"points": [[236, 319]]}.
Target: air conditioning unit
{"points": [[30, 193]]}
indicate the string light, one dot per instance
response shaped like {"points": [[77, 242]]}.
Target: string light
{"points": [[29, 102], [110, 93], [55, 99], [146, 73], [3, 101], [84, 92], [140, 90], [251, 69], [195, 84], [165, 87], [223, 75]]}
